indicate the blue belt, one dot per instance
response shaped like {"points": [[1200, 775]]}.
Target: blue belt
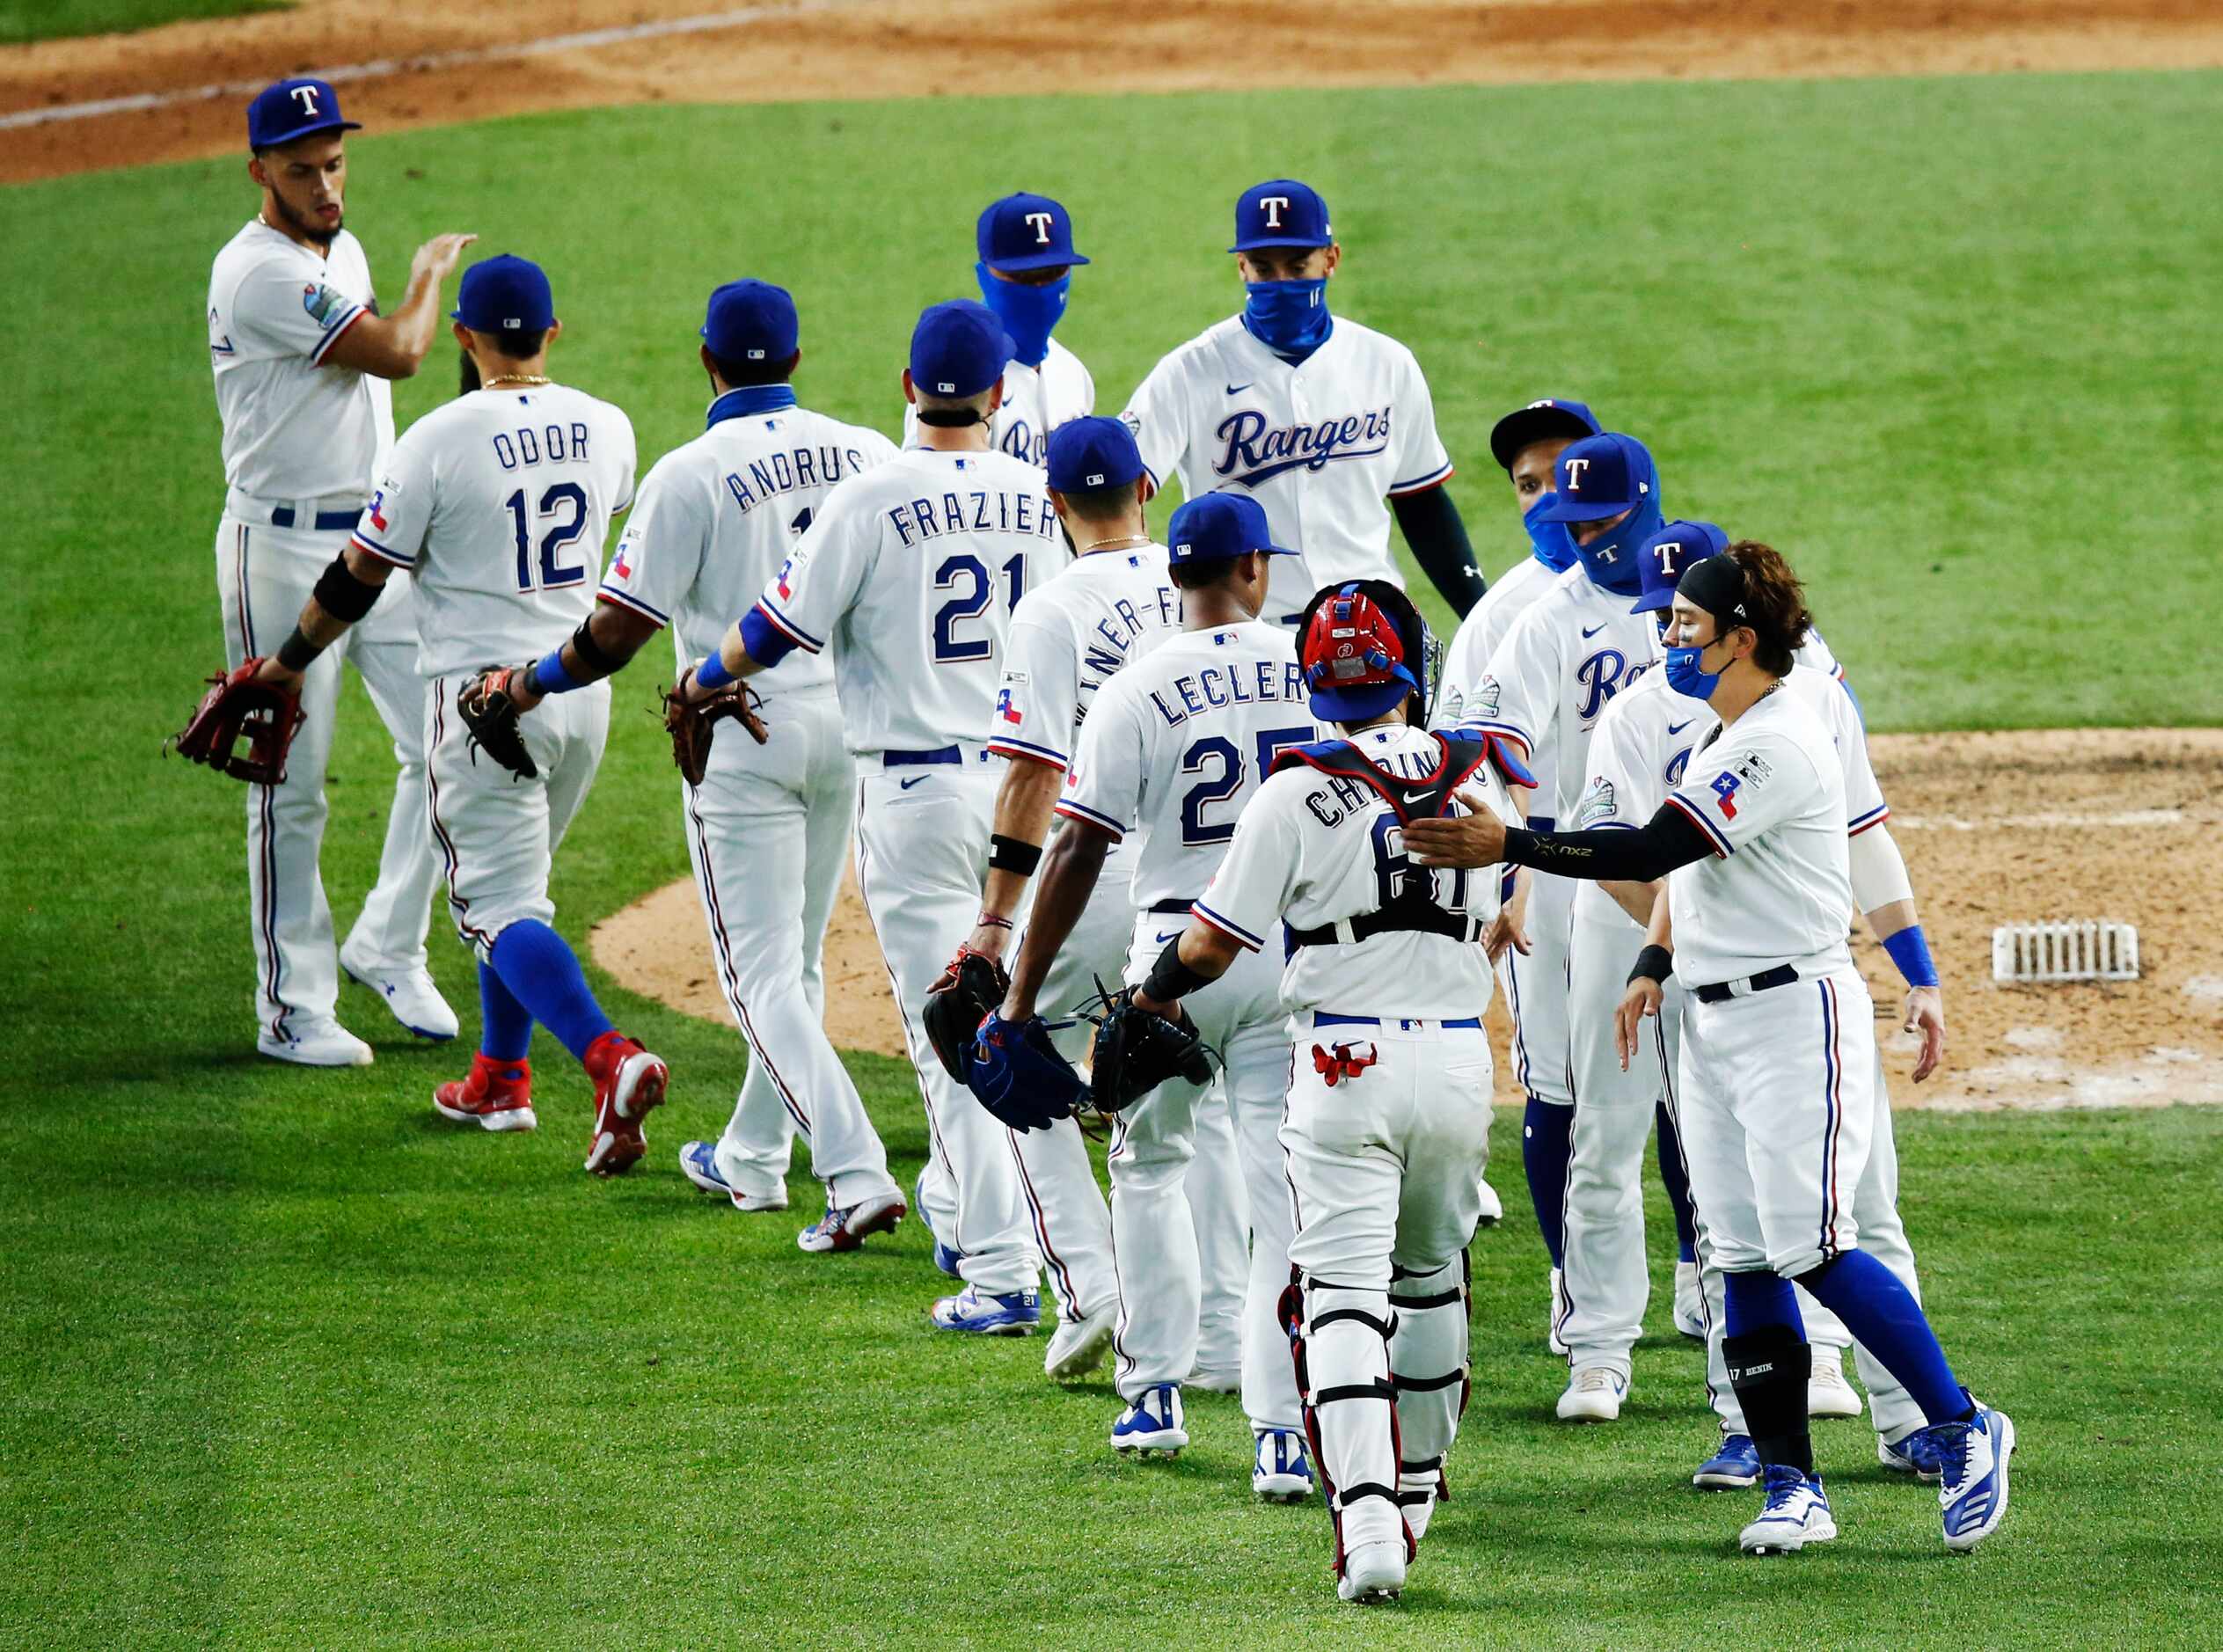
{"points": [[327, 521], [919, 759], [1321, 1017], [1542, 824]]}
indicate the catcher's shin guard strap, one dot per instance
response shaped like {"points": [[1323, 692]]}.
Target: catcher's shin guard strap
{"points": [[1423, 1385], [341, 595], [1428, 1358], [1383, 1328], [1351, 1494]]}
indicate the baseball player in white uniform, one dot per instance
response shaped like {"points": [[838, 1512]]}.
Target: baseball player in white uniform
{"points": [[1561, 659], [499, 503], [909, 573], [301, 358], [1327, 424], [768, 827], [1027, 260], [1387, 1129], [1176, 745], [1775, 1086]]}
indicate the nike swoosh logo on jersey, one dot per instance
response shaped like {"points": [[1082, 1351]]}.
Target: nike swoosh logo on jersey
{"points": [[914, 780], [1592, 631], [1674, 729], [1237, 389]]}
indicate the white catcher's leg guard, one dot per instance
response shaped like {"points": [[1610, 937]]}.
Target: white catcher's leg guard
{"points": [[1428, 1362], [1350, 1410]]}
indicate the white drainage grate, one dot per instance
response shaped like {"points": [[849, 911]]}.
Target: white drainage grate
{"points": [[2093, 950]]}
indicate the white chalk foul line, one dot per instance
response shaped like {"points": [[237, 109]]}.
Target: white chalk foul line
{"points": [[586, 39]]}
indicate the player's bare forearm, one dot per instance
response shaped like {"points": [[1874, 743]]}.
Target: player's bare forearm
{"points": [[1659, 928], [319, 627], [1023, 805], [395, 346], [1891, 918], [1635, 899], [1068, 879]]}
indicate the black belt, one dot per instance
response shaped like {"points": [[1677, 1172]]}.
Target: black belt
{"points": [[1781, 976], [1426, 920], [1166, 908]]}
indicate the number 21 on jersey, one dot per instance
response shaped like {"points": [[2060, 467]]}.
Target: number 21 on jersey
{"points": [[967, 576]]}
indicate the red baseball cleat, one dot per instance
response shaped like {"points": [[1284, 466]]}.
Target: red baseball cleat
{"points": [[628, 1081], [497, 1096]]}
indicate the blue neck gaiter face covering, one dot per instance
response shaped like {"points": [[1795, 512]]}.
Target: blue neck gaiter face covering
{"points": [[1027, 313], [1290, 318], [1554, 546], [1611, 558]]}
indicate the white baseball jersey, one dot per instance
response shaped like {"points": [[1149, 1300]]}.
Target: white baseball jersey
{"points": [[1179, 743], [911, 571], [1563, 657], [1068, 637], [1312, 849], [1468, 658], [1319, 445], [718, 518], [1769, 795], [293, 427], [499, 503], [1036, 400]]}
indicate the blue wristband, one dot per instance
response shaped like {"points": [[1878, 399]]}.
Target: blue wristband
{"points": [[712, 673], [549, 676], [1909, 950]]}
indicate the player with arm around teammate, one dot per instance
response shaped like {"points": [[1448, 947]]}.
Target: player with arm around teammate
{"points": [[768, 827], [301, 357], [498, 503], [1775, 1085], [909, 573], [1329, 425], [1026, 273], [1176, 745], [1387, 1129]]}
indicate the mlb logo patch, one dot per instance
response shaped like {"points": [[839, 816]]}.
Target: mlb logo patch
{"points": [[1004, 708]]}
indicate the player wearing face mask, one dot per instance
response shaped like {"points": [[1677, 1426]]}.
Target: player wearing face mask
{"points": [[1327, 424]]}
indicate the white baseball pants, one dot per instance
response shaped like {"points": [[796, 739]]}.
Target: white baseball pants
{"points": [[263, 576], [922, 850], [1536, 990], [768, 831]]}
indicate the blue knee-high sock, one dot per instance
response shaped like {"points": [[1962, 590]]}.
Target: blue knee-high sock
{"points": [[1548, 1134], [543, 975], [1677, 1183], [1883, 1314], [1759, 1301], [505, 1032]]}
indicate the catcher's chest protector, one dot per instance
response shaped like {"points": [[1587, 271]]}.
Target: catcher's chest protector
{"points": [[1423, 798]]}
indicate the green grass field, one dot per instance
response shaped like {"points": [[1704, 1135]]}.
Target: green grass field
{"points": [[52, 19], [288, 1363]]}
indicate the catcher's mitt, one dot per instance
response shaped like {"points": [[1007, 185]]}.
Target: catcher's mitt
{"points": [[691, 723], [1018, 1075], [238, 705], [1136, 1050], [967, 994], [491, 715]]}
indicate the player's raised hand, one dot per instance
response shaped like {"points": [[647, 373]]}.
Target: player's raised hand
{"points": [[1925, 1015], [1642, 999], [1476, 838], [439, 256], [1505, 931]]}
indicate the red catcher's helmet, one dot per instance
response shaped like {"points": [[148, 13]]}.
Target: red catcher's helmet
{"points": [[1354, 659]]}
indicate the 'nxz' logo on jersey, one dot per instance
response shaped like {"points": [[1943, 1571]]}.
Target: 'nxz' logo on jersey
{"points": [[1255, 454], [1601, 677]]}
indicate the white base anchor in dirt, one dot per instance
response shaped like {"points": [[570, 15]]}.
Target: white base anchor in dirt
{"points": [[2093, 949]]}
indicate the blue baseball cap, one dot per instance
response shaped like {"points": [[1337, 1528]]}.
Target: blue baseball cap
{"points": [[1539, 422], [506, 294], [1281, 212], [293, 109], [1093, 452], [1217, 526], [1663, 558], [1598, 477], [750, 321], [958, 348], [1024, 232]]}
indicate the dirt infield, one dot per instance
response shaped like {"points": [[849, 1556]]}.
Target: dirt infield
{"points": [[435, 63], [1998, 829]]}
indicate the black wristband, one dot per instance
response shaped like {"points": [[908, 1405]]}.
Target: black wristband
{"points": [[1010, 854], [1169, 978], [341, 595], [296, 652], [1654, 964]]}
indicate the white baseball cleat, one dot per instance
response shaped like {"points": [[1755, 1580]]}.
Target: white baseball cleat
{"points": [[1280, 1471], [1827, 1393], [1373, 1573], [698, 1160], [321, 1042], [1551, 1334], [1972, 1459], [1077, 1347], [1690, 1302], [1796, 1513], [410, 996], [1492, 1207], [1593, 1395], [1152, 1423]]}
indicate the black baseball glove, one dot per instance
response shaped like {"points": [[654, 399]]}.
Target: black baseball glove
{"points": [[490, 713], [1136, 1050], [967, 994]]}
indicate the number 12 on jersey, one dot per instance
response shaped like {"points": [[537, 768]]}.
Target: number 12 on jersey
{"points": [[552, 575]]}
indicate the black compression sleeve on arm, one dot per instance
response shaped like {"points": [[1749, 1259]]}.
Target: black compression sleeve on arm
{"points": [[1669, 840], [1430, 522]]}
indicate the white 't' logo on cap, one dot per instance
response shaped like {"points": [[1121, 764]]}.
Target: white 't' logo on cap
{"points": [[1574, 469], [1275, 205], [308, 97], [1042, 221]]}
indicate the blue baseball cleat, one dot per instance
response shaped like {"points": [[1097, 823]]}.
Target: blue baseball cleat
{"points": [[1796, 1513], [1915, 1454], [948, 1258], [1153, 1422], [1016, 1313], [1734, 1467], [1972, 1487]]}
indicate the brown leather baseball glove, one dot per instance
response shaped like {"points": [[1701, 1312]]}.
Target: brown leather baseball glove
{"points": [[691, 723], [238, 706]]}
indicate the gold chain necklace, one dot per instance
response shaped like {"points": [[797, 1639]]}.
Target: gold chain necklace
{"points": [[515, 378]]}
